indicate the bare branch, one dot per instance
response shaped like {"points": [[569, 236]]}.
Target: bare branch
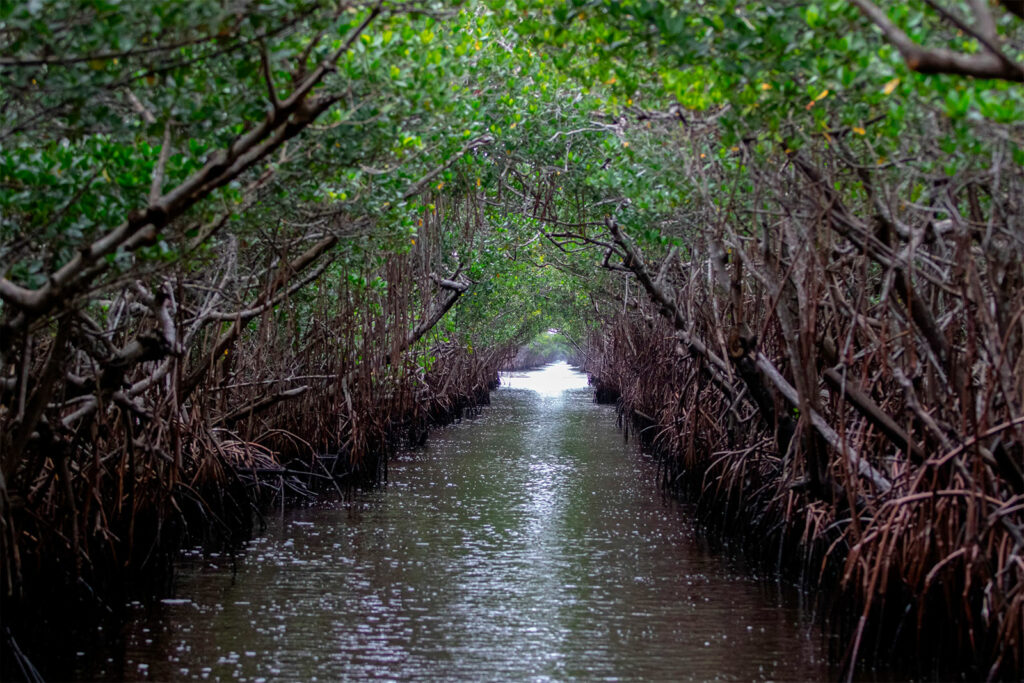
{"points": [[268, 76], [990, 63], [156, 187]]}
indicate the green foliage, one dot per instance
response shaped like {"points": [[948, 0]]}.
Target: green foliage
{"points": [[485, 148], [547, 347], [463, 101]]}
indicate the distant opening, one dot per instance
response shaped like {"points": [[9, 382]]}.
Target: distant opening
{"points": [[547, 347], [551, 380]]}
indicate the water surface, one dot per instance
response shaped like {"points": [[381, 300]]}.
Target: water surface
{"points": [[529, 543]]}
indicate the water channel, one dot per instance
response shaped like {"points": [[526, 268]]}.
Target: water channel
{"points": [[529, 543]]}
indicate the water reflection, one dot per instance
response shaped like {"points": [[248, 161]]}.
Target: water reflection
{"points": [[530, 543], [549, 381]]}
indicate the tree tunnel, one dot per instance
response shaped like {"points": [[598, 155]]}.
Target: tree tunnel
{"points": [[237, 241]]}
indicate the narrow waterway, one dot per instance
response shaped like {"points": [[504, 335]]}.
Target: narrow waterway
{"points": [[529, 543]]}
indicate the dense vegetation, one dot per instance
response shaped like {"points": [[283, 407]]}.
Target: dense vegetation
{"points": [[547, 347], [234, 238]]}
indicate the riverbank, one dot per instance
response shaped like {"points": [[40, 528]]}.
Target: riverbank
{"points": [[531, 542], [928, 615], [224, 489]]}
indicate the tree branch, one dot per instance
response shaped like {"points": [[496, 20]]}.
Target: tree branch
{"points": [[280, 124], [989, 63]]}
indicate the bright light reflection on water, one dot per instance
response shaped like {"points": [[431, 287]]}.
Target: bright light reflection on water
{"points": [[550, 380], [531, 543]]}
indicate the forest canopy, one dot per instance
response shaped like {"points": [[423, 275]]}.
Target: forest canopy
{"points": [[136, 135], [225, 221]]}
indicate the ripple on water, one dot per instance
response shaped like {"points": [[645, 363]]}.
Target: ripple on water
{"points": [[528, 543]]}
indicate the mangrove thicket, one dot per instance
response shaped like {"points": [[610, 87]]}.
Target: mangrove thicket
{"points": [[247, 248]]}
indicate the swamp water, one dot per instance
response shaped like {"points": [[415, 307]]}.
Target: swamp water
{"points": [[529, 543]]}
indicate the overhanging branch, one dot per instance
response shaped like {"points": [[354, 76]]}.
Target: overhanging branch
{"points": [[990, 62]]}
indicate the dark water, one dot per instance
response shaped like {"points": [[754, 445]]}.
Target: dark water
{"points": [[530, 543]]}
